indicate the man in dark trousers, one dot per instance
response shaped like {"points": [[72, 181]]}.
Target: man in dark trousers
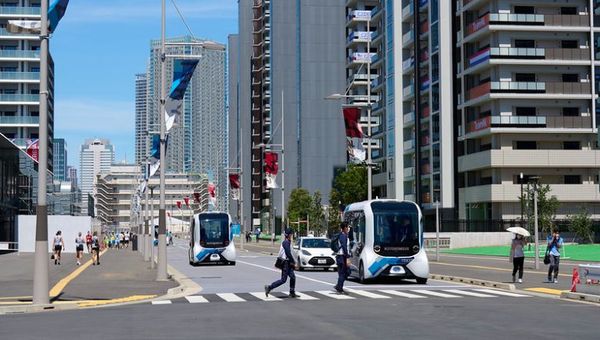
{"points": [[342, 258], [285, 253]]}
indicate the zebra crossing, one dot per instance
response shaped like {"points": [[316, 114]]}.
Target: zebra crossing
{"points": [[353, 294]]}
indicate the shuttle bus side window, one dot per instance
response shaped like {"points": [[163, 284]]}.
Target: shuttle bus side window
{"points": [[192, 232], [361, 227]]}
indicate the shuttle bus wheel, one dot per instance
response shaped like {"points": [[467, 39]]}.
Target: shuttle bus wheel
{"points": [[421, 280], [361, 273]]}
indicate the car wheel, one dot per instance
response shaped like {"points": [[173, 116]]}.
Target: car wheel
{"points": [[421, 280], [361, 273]]}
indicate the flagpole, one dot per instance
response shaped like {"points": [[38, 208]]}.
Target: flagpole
{"points": [[282, 165], [161, 274], [146, 215], [241, 203], [40, 273]]}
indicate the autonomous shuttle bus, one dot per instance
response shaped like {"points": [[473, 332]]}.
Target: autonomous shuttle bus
{"points": [[386, 240], [211, 239]]}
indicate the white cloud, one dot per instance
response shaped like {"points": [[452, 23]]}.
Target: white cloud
{"points": [[135, 10]]}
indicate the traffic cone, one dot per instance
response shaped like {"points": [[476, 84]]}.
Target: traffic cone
{"points": [[575, 280]]}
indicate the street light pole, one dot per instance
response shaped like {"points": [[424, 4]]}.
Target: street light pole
{"points": [[161, 274], [535, 221], [40, 273], [437, 231], [151, 230], [282, 165], [146, 228], [522, 199], [369, 168]]}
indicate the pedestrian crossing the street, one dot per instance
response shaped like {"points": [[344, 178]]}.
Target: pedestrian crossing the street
{"points": [[352, 294]]}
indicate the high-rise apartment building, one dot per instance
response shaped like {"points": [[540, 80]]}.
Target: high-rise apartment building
{"points": [[60, 159], [527, 104], [198, 143], [142, 139], [96, 155], [20, 78], [290, 58]]}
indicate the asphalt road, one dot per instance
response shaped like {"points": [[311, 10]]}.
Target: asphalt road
{"points": [[226, 308]]}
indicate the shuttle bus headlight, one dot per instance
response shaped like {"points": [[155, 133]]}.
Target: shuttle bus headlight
{"points": [[416, 248], [377, 248], [226, 243]]}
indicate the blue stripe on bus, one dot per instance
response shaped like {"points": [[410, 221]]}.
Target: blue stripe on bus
{"points": [[383, 262], [208, 251]]}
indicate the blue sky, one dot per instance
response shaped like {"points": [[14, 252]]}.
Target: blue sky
{"points": [[98, 48]]}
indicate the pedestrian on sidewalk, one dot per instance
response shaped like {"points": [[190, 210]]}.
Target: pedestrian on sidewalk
{"points": [[273, 238], [289, 265], [517, 256], [555, 243], [79, 241], [257, 234], [88, 241], [127, 237], [342, 257], [95, 249], [59, 246]]}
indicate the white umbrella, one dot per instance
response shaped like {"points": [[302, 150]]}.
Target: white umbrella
{"points": [[519, 230]]}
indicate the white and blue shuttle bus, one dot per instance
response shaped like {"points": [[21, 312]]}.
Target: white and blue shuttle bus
{"points": [[386, 240], [211, 240]]}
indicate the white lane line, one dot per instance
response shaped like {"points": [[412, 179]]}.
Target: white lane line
{"points": [[468, 293], [402, 294], [368, 294], [162, 302], [409, 286], [196, 299], [432, 293], [334, 295], [230, 297], [261, 295], [501, 292], [279, 271], [305, 297]]}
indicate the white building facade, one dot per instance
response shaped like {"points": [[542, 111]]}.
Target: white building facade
{"points": [[96, 155]]}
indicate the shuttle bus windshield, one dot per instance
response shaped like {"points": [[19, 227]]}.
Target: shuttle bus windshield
{"points": [[396, 228], [214, 230]]}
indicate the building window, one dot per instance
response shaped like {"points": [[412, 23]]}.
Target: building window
{"points": [[570, 77], [569, 44], [571, 10], [570, 111], [524, 10], [572, 179], [524, 43], [525, 111], [525, 145], [525, 77], [571, 145]]}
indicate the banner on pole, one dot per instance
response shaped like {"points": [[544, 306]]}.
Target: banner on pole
{"points": [[183, 70], [186, 199], [33, 149], [271, 168], [234, 184], [155, 154], [356, 150], [212, 195], [56, 10], [178, 204]]}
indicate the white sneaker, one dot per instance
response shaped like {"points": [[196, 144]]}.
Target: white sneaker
{"points": [[555, 280], [520, 280], [78, 263]]}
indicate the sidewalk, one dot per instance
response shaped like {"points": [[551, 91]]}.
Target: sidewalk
{"points": [[121, 276]]}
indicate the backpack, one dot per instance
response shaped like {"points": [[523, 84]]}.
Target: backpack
{"points": [[335, 243]]}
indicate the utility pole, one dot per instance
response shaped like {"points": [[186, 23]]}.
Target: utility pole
{"points": [[40, 271], [282, 165], [146, 228], [161, 274], [535, 222], [369, 108], [437, 231]]}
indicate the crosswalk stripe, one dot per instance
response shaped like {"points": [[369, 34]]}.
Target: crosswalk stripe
{"points": [[432, 293], [230, 297], [368, 294], [468, 293], [305, 297], [261, 295], [334, 295], [402, 294], [196, 299], [501, 292], [162, 302]]}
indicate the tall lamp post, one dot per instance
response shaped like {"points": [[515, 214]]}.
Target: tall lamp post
{"points": [[534, 180], [522, 198]]}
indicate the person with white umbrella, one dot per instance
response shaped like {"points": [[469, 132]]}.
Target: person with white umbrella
{"points": [[517, 255]]}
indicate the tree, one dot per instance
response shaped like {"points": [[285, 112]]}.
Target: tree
{"points": [[317, 215], [349, 186], [581, 225], [547, 206], [299, 207]]}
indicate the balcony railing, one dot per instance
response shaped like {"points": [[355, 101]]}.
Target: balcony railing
{"points": [[4, 32], [19, 54], [408, 10], [557, 122], [409, 117], [408, 37], [408, 91], [19, 120], [14, 10], [409, 144], [361, 36], [529, 53], [529, 20], [408, 63], [19, 98], [360, 15], [529, 87], [362, 57], [19, 75]]}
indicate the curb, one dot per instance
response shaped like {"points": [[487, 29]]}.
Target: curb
{"points": [[580, 297], [476, 282], [28, 308], [186, 286]]}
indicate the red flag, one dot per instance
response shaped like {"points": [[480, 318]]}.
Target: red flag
{"points": [[168, 214], [234, 181], [351, 119], [197, 197], [271, 166], [33, 149], [187, 201], [179, 204], [575, 280], [211, 190]]}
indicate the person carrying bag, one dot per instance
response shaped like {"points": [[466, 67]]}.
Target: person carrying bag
{"points": [[285, 262]]}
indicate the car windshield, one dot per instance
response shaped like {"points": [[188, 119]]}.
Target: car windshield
{"points": [[214, 228], [315, 243]]}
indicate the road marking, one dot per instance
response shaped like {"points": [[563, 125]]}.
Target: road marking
{"points": [[230, 297], [261, 295], [500, 292], [468, 293], [491, 268], [196, 299], [162, 302], [546, 290], [334, 295], [368, 294], [279, 271], [92, 303], [408, 286], [402, 294], [528, 260], [60, 285], [305, 297], [432, 293]]}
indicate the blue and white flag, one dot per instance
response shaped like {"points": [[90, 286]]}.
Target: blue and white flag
{"points": [[183, 70], [155, 155], [56, 11]]}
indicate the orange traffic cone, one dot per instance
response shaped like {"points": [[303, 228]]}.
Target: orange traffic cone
{"points": [[575, 280]]}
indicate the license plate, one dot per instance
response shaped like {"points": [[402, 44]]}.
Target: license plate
{"points": [[215, 257], [321, 261], [397, 270]]}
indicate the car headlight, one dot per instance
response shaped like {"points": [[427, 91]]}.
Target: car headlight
{"points": [[305, 252]]}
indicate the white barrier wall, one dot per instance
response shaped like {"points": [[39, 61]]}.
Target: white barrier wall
{"points": [[70, 226], [466, 240]]}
